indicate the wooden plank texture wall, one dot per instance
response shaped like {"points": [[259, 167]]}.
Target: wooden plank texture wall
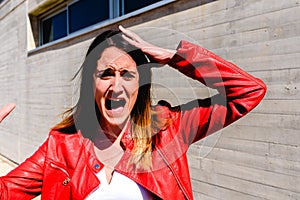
{"points": [[256, 158]]}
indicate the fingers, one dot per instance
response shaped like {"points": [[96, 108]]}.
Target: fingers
{"points": [[132, 42], [158, 54], [5, 110], [129, 34], [132, 37]]}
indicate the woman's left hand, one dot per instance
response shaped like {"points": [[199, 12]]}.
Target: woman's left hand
{"points": [[158, 54], [6, 110]]}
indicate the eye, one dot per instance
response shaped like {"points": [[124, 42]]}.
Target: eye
{"points": [[128, 75], [105, 74]]}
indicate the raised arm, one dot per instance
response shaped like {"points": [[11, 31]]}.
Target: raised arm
{"points": [[239, 92]]}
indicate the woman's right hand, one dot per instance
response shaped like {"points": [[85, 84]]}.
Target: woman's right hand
{"points": [[159, 54], [5, 110]]}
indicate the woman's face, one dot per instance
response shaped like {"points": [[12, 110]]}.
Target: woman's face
{"points": [[116, 83]]}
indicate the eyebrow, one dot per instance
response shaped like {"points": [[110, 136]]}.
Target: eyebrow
{"points": [[122, 70]]}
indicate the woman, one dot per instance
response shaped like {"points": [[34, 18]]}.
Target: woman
{"points": [[113, 144]]}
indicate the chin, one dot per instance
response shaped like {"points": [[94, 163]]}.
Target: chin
{"points": [[116, 121]]}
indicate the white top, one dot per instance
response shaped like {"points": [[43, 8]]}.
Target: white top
{"points": [[120, 187]]}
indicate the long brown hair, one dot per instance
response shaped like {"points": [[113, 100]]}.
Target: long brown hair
{"points": [[85, 114]]}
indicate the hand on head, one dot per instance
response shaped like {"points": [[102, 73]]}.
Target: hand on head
{"points": [[5, 110], [159, 54]]}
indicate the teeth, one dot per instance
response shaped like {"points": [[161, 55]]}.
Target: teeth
{"points": [[114, 103]]}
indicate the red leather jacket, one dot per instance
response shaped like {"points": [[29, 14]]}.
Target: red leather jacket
{"points": [[64, 166]]}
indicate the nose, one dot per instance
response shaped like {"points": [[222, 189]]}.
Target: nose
{"points": [[116, 85]]}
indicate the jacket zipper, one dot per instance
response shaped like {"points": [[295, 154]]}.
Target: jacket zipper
{"points": [[174, 174], [67, 180]]}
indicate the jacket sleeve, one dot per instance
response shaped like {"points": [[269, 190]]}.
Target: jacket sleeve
{"points": [[25, 181], [238, 91]]}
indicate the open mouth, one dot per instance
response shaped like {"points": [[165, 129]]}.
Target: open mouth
{"points": [[112, 104]]}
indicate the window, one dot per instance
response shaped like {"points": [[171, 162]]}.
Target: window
{"points": [[54, 27], [83, 13], [87, 12]]}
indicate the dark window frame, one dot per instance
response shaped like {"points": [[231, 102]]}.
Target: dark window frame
{"points": [[115, 14], [41, 25]]}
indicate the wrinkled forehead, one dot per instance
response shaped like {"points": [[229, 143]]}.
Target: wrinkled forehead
{"points": [[115, 57]]}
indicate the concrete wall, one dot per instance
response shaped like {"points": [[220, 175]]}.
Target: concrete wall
{"points": [[12, 66], [256, 158]]}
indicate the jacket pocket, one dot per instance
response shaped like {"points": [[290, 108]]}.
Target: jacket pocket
{"points": [[56, 183], [67, 179]]}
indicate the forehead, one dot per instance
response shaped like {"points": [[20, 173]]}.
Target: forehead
{"points": [[115, 56]]}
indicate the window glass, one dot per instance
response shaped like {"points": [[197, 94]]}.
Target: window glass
{"points": [[132, 5], [84, 13], [87, 12], [54, 27]]}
